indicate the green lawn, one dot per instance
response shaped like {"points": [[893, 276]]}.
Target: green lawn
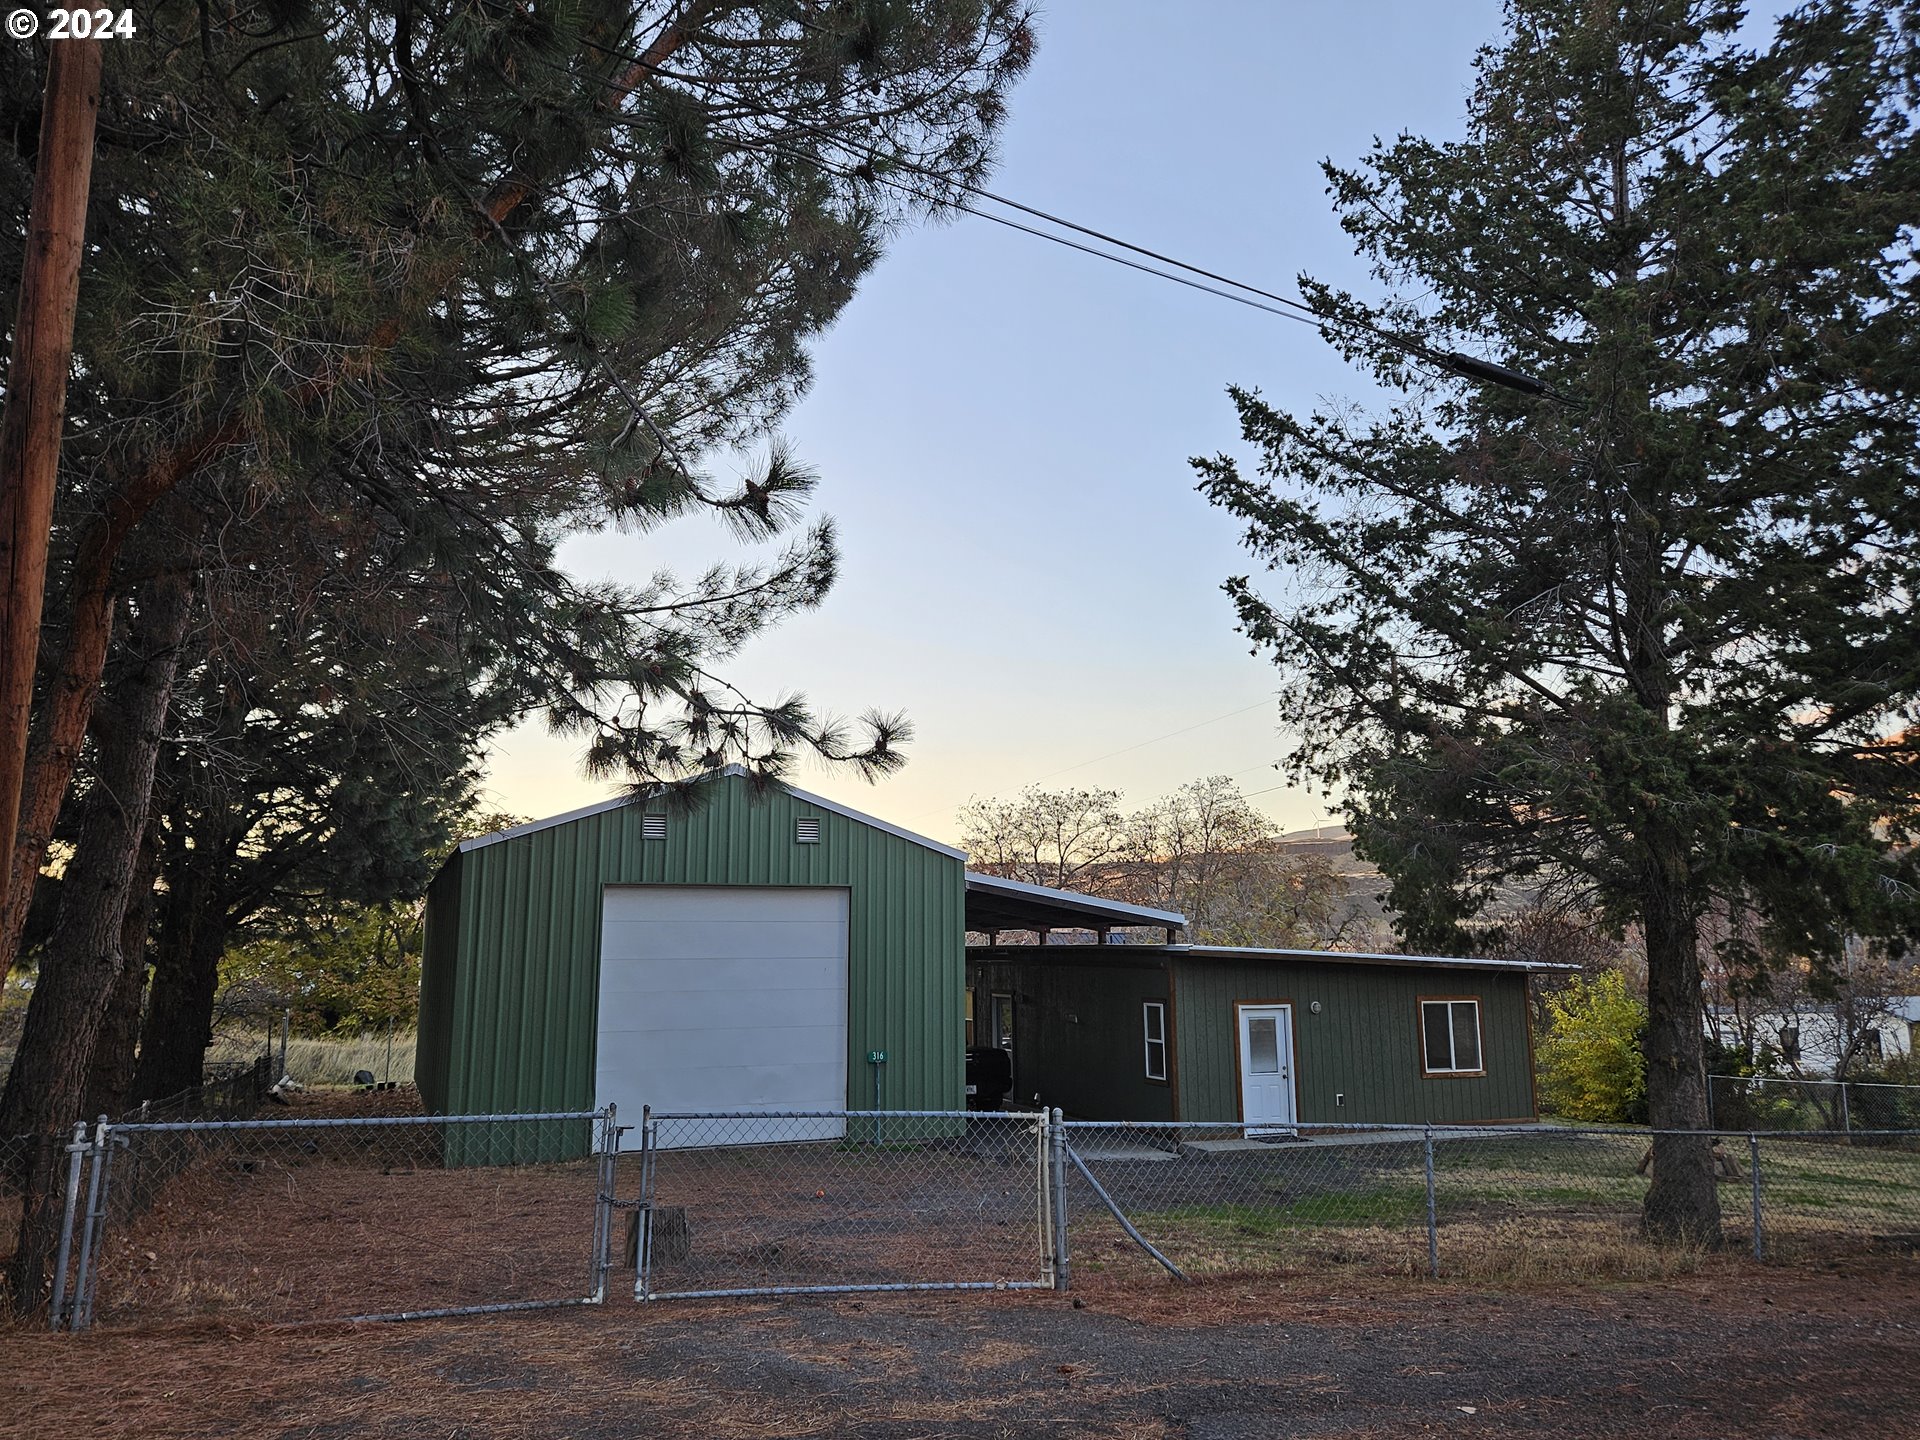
{"points": [[1514, 1203]]}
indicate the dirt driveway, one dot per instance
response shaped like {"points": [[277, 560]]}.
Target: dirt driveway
{"points": [[1736, 1350]]}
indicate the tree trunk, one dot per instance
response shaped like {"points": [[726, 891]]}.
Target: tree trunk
{"points": [[1683, 1202], [75, 676], [83, 960], [36, 399], [186, 976], [110, 1082]]}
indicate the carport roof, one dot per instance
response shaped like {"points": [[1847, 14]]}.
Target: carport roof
{"points": [[997, 904]]}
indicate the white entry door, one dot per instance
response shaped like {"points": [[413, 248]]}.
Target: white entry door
{"points": [[1266, 1068], [723, 998]]}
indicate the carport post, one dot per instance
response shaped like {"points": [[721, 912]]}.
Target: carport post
{"points": [[1433, 1218], [1057, 1163]]}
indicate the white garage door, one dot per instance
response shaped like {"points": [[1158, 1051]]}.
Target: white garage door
{"points": [[715, 998]]}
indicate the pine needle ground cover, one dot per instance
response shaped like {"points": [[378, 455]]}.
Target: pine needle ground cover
{"points": [[1732, 1349]]}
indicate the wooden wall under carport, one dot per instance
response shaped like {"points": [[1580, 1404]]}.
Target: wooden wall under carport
{"points": [[1078, 1041]]}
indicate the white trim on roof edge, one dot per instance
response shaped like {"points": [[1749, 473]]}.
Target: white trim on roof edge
{"points": [[1364, 957], [603, 806]]}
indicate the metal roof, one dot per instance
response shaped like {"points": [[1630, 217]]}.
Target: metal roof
{"points": [[1257, 953], [732, 770], [997, 904]]}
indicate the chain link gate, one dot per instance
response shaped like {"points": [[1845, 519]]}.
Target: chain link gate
{"points": [[378, 1218], [829, 1202]]}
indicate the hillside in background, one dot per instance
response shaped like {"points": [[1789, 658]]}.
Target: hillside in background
{"points": [[1362, 920]]}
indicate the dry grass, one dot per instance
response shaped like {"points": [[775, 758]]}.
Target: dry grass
{"points": [[285, 1225], [326, 1060], [324, 1237]]}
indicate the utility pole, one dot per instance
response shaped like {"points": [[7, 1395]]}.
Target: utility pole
{"points": [[36, 398]]}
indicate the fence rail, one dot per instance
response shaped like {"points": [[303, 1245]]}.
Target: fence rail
{"points": [[399, 1217]]}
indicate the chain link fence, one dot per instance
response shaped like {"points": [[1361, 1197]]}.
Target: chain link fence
{"points": [[226, 1092], [383, 1218], [797, 1203], [1212, 1200], [1463, 1201], [1765, 1102], [353, 1218]]}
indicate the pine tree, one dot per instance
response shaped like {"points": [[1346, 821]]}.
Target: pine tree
{"points": [[464, 278], [508, 271], [1650, 634]]}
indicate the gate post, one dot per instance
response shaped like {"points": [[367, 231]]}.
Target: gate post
{"points": [[76, 1148], [643, 1267], [608, 1150], [1753, 1164], [91, 1225], [1057, 1165]]}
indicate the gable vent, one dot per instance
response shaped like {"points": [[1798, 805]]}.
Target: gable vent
{"points": [[653, 827], [806, 832]]}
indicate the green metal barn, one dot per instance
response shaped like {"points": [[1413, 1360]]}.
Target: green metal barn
{"points": [[748, 955], [774, 950]]}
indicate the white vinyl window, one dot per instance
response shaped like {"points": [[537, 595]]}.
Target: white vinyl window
{"points": [[1153, 1020], [1450, 1037]]}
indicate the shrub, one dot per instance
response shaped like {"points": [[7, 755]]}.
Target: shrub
{"points": [[1591, 1065]]}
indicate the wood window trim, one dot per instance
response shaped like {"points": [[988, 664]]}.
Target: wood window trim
{"points": [[1165, 1042], [1479, 1033]]}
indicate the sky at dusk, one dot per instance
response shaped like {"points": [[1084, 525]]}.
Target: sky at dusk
{"points": [[1002, 427]]}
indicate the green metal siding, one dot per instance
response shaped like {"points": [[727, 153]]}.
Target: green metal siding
{"points": [[1078, 1041], [522, 998], [1364, 1043]]}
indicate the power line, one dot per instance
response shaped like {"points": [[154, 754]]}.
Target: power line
{"points": [[985, 194], [855, 174], [1454, 360], [1298, 310], [1240, 292]]}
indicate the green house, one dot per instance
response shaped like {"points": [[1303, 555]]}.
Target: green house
{"points": [[775, 951], [1269, 1039]]}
